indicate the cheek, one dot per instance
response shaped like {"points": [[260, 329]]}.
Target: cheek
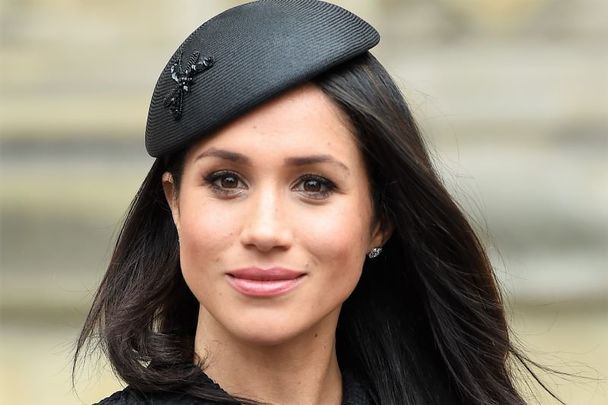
{"points": [[203, 236], [338, 239], [336, 249]]}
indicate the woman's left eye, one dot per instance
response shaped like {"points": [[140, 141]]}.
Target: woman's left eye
{"points": [[315, 187]]}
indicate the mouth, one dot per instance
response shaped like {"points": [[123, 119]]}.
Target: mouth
{"points": [[256, 282]]}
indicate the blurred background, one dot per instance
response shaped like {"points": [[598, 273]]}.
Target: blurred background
{"points": [[512, 96]]}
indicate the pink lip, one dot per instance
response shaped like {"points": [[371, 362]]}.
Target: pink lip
{"points": [[257, 282]]}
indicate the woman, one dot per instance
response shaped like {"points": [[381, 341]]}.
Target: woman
{"points": [[292, 243]]}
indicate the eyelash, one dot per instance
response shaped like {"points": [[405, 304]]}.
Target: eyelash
{"points": [[327, 186], [212, 178]]}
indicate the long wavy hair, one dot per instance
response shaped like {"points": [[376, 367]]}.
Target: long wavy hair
{"points": [[425, 324]]}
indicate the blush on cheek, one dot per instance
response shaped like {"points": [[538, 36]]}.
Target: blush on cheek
{"points": [[204, 228], [341, 234], [341, 253]]}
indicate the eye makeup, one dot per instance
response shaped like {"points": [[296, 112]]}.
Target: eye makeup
{"points": [[230, 183]]}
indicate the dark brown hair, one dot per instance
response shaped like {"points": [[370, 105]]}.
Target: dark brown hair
{"points": [[425, 324]]}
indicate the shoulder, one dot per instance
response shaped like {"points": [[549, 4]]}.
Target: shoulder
{"points": [[117, 398], [129, 396], [201, 384]]}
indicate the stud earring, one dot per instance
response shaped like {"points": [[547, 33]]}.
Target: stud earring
{"points": [[375, 252]]}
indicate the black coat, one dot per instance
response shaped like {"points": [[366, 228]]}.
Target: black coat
{"points": [[354, 394]]}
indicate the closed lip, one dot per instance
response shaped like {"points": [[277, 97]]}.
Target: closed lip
{"points": [[270, 274], [272, 282]]}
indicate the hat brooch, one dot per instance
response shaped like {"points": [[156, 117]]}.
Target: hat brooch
{"points": [[174, 101]]}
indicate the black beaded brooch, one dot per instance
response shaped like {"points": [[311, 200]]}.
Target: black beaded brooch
{"points": [[174, 101]]}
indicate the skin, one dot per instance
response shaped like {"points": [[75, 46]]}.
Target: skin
{"points": [[263, 210]]}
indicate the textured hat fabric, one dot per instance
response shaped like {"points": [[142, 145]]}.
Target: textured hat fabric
{"points": [[243, 57]]}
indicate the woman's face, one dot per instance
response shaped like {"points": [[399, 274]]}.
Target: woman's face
{"points": [[274, 217]]}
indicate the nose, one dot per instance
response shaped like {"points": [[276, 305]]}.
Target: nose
{"points": [[266, 226]]}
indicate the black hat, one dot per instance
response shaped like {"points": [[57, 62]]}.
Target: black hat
{"points": [[243, 57]]}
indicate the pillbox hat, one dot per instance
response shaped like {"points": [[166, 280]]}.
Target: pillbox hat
{"points": [[243, 57]]}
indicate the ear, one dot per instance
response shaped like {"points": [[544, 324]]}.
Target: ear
{"points": [[380, 234], [171, 196]]}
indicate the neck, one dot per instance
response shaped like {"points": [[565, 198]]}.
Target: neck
{"points": [[302, 370]]}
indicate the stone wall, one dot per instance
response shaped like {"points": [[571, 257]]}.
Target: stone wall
{"points": [[512, 96]]}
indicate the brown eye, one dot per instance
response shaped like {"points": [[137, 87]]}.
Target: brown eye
{"points": [[229, 181], [226, 183], [312, 185], [315, 187]]}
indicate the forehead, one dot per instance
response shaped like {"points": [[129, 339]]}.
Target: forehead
{"points": [[302, 120]]}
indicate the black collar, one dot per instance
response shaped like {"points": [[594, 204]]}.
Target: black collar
{"points": [[354, 393]]}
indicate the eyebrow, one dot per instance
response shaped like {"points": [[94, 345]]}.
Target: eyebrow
{"points": [[224, 154], [290, 161], [312, 159]]}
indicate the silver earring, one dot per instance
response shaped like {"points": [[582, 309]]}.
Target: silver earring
{"points": [[375, 252]]}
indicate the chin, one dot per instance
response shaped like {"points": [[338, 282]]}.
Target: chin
{"points": [[268, 327], [266, 330]]}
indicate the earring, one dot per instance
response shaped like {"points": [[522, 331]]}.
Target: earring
{"points": [[375, 252]]}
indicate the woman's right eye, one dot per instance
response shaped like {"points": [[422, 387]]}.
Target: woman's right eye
{"points": [[225, 182]]}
